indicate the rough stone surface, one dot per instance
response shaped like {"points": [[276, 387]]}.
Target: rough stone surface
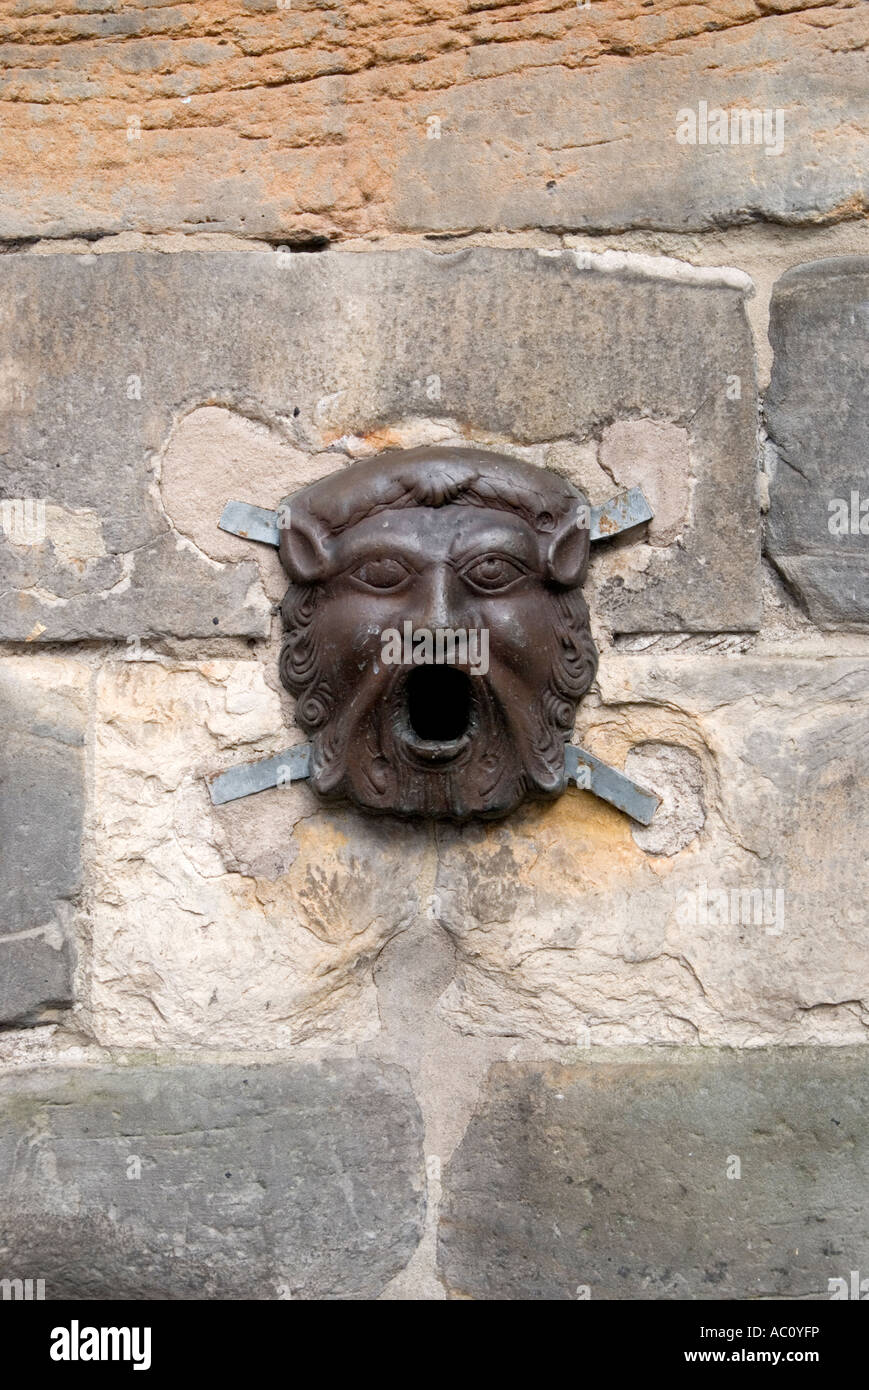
{"points": [[326, 348], [659, 455], [198, 1182], [255, 924], [258, 924], [214, 453], [299, 120], [43, 713], [610, 1180], [678, 777], [818, 416], [315, 1054], [567, 929]]}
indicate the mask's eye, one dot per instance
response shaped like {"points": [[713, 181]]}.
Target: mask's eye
{"points": [[492, 573], [381, 574]]}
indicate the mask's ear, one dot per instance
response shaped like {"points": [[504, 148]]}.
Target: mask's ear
{"points": [[567, 556], [303, 544]]}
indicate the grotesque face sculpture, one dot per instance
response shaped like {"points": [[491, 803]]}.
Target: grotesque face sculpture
{"points": [[437, 637]]}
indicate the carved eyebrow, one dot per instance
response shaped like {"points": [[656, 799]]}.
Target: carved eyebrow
{"points": [[503, 546], [355, 562], [382, 547]]}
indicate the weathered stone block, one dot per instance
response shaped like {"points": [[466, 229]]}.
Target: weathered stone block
{"points": [[692, 1177], [305, 119], [339, 345], [198, 1182], [818, 415], [595, 145], [744, 924], [252, 925], [44, 718]]}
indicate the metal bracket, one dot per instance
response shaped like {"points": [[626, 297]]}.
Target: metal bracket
{"points": [[251, 523], [619, 514], [293, 765], [590, 774]]}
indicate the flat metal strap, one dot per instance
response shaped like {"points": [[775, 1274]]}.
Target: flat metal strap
{"points": [[589, 773], [619, 514], [294, 764], [610, 519], [290, 766], [250, 522]]}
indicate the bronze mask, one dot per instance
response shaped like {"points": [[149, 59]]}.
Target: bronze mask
{"points": [[437, 637]]}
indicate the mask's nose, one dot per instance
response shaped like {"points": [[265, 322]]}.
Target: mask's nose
{"points": [[436, 601], [438, 696]]}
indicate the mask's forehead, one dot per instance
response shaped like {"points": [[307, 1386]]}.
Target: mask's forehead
{"points": [[408, 496], [430, 534]]}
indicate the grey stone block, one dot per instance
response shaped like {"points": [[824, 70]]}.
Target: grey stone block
{"points": [[593, 145], [818, 415], [254, 1182], [610, 1179], [526, 346], [756, 930], [43, 708]]}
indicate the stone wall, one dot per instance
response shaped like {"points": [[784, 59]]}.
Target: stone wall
{"points": [[276, 1049]]}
